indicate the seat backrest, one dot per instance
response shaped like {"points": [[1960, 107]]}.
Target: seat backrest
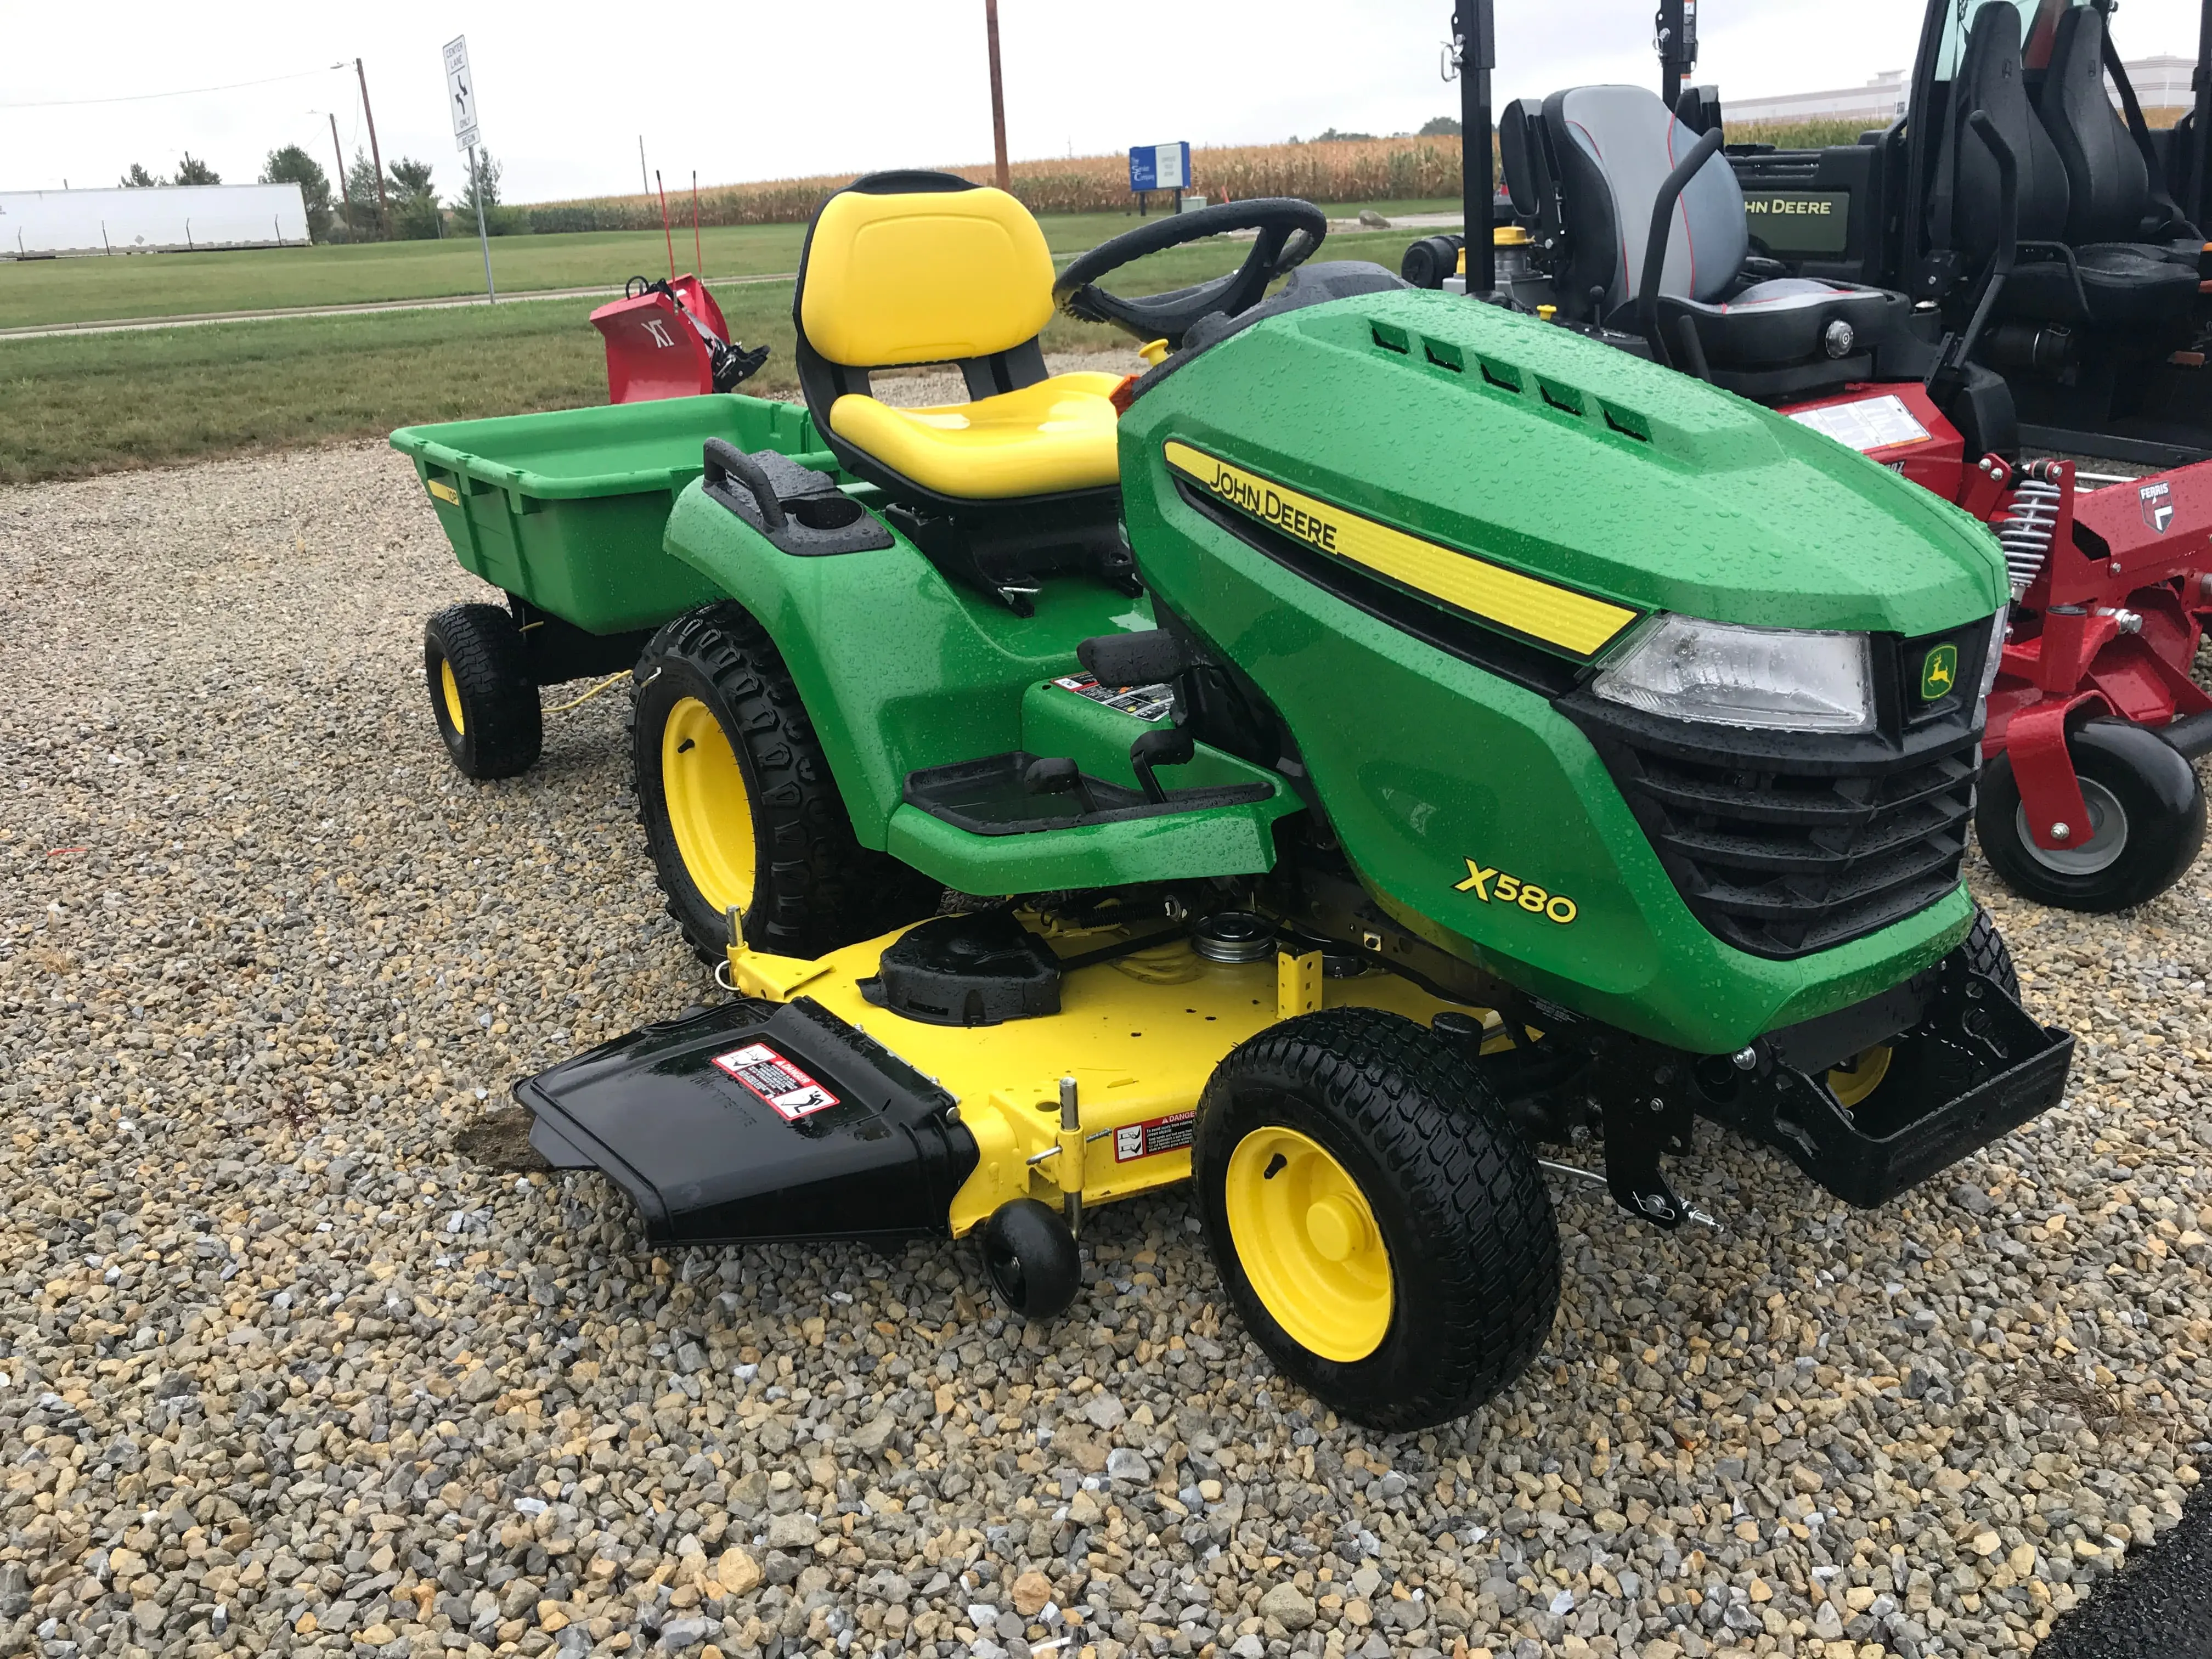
{"points": [[1520, 162], [1610, 149], [905, 268], [1963, 197], [2108, 183]]}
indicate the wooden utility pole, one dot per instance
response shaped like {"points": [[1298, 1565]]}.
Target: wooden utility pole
{"points": [[345, 203], [375, 155], [998, 95]]}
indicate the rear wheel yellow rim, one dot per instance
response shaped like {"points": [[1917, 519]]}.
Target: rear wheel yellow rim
{"points": [[1307, 1241], [709, 809], [450, 691], [1859, 1077]]}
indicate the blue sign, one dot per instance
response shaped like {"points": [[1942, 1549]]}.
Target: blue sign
{"points": [[1159, 167]]}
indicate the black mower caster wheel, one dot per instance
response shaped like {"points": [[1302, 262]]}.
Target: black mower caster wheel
{"points": [[2146, 823], [1382, 1230], [1031, 1258], [481, 692]]}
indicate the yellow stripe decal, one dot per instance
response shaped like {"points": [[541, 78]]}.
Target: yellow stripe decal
{"points": [[445, 492], [1557, 616]]}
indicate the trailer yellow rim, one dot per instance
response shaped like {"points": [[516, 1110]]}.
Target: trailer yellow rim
{"points": [[1307, 1241], [1859, 1077], [709, 809], [450, 691]]}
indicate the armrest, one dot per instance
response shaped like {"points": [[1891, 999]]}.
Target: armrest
{"points": [[1655, 249]]}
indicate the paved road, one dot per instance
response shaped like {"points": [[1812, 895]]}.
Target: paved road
{"points": [[2159, 1606], [200, 319]]}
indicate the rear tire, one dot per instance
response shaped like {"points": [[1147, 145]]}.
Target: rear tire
{"points": [[1408, 1269], [481, 692], [738, 803], [2147, 815]]}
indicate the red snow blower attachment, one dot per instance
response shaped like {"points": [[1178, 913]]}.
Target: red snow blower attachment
{"points": [[668, 339]]}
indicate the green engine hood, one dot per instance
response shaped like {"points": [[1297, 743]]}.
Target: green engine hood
{"points": [[1546, 452]]}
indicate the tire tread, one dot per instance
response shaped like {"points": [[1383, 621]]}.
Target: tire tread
{"points": [[816, 887], [1441, 1136]]}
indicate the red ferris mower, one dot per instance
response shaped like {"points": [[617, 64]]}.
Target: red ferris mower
{"points": [[1630, 229], [2089, 800]]}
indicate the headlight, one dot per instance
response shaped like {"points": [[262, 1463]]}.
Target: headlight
{"points": [[1780, 679], [1990, 660]]}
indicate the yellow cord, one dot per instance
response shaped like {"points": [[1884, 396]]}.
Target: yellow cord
{"points": [[578, 703]]}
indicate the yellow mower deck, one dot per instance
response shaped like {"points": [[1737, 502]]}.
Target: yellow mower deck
{"points": [[1139, 1035]]}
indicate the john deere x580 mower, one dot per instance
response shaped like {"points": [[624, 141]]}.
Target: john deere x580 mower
{"points": [[1388, 734]]}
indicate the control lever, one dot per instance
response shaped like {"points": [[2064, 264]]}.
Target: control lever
{"points": [[1058, 776], [1168, 745]]}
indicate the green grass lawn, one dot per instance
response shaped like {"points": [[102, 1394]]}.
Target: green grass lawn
{"points": [[74, 405], [54, 291]]}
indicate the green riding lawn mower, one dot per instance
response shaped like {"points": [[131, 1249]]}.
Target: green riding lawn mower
{"points": [[1387, 737]]}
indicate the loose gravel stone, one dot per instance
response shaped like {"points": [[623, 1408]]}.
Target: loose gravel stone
{"points": [[307, 1354]]}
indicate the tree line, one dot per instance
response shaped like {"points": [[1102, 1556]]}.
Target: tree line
{"points": [[409, 208]]}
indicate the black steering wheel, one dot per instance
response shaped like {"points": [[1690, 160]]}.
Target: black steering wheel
{"points": [[1289, 232]]}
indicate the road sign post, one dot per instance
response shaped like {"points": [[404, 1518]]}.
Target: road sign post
{"points": [[461, 95]]}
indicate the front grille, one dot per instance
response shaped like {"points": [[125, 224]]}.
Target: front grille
{"points": [[1786, 843]]}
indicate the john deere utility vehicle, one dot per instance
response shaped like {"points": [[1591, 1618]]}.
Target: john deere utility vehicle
{"points": [[1388, 734], [2099, 328]]}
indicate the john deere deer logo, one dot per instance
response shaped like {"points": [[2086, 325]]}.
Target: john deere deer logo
{"points": [[1939, 672]]}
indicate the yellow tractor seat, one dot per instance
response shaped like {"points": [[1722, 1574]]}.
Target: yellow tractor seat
{"points": [[1055, 436], [1021, 483]]}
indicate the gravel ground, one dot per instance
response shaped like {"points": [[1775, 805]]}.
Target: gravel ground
{"points": [[299, 1360]]}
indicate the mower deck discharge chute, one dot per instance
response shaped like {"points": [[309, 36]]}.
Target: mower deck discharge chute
{"points": [[1346, 823]]}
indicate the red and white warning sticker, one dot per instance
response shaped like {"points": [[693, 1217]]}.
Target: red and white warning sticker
{"points": [[777, 1081], [1171, 1134]]}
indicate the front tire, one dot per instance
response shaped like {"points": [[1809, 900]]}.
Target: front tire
{"points": [[738, 806], [1384, 1232], [481, 692], [2146, 823]]}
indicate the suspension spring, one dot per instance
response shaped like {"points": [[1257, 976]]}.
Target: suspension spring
{"points": [[2025, 522]]}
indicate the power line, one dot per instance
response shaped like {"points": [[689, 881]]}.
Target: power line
{"points": [[186, 91]]}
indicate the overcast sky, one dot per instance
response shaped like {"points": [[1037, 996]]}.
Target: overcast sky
{"points": [[760, 91]]}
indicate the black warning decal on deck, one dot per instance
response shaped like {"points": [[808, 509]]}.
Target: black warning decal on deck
{"points": [[776, 1081], [1171, 1134]]}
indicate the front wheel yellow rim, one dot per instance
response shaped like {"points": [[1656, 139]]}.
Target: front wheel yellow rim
{"points": [[449, 691], [1859, 1076], [1307, 1241], [708, 811]]}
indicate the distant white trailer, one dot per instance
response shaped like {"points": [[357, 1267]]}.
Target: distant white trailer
{"points": [[40, 224]]}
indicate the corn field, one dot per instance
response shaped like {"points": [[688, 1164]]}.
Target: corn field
{"points": [[1356, 170]]}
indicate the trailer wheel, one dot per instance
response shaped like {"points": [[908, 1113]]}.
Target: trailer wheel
{"points": [[481, 692], [1380, 1227], [2146, 823], [1031, 1258], [739, 808]]}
